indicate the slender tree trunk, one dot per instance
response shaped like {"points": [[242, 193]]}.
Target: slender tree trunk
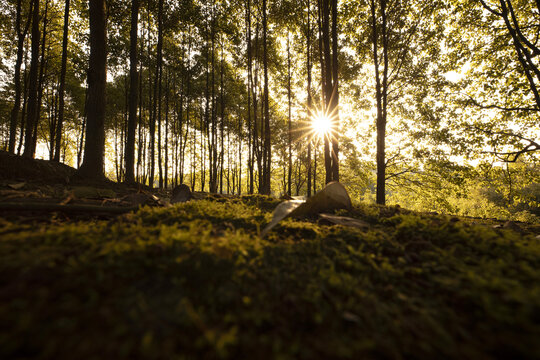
{"points": [[222, 118], [140, 125], [25, 105], [267, 150], [60, 122], [133, 83], [21, 35], [379, 90], [93, 166], [309, 98], [166, 165], [327, 85], [42, 70], [83, 130], [289, 175], [157, 87], [32, 111], [249, 92], [335, 95]]}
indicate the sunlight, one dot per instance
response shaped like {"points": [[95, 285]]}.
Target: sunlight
{"points": [[321, 124]]}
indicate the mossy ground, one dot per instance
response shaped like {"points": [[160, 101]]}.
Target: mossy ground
{"points": [[196, 281]]}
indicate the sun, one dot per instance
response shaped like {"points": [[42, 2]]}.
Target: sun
{"points": [[321, 124]]}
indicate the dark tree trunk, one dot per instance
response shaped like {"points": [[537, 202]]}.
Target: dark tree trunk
{"points": [[309, 98], [222, 118], [335, 95], [61, 89], [21, 35], [158, 87], [93, 166], [25, 105], [289, 175], [42, 70], [133, 84], [32, 111], [380, 90], [249, 91], [267, 149], [327, 84]]}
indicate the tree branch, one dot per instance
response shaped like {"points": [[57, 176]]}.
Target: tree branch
{"points": [[474, 102]]}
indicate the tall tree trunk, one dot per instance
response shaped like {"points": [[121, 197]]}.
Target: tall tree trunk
{"points": [[166, 164], [289, 175], [61, 89], [26, 77], [267, 150], [222, 118], [249, 92], [32, 111], [309, 98], [327, 85], [42, 70], [133, 84], [93, 166], [335, 95], [158, 87], [140, 121], [21, 35], [380, 89]]}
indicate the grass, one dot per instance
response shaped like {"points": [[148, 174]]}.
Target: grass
{"points": [[196, 281]]}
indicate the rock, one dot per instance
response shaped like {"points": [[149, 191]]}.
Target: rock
{"points": [[181, 194]]}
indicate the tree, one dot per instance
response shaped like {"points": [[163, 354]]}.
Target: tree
{"points": [[330, 85], [61, 90], [133, 88], [92, 165], [21, 35], [33, 105], [267, 146]]}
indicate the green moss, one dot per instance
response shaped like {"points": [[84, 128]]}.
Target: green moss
{"points": [[196, 281]]}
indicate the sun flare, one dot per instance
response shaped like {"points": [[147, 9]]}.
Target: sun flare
{"points": [[321, 124]]}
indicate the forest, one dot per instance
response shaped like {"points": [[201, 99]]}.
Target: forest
{"points": [[429, 105], [425, 113]]}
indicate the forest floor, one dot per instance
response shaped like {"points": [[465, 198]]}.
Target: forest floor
{"points": [[195, 280]]}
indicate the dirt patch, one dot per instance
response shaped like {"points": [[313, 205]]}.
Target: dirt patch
{"points": [[13, 167]]}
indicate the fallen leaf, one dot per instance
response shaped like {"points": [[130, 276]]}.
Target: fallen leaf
{"points": [[17, 186], [332, 197], [281, 212]]}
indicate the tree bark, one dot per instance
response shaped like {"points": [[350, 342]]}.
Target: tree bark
{"points": [[21, 35], [41, 79], [32, 111], [61, 89], [309, 98], [133, 88], [93, 166], [289, 174], [328, 88], [267, 150], [335, 95]]}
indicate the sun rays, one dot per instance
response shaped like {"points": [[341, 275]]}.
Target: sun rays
{"points": [[318, 126]]}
